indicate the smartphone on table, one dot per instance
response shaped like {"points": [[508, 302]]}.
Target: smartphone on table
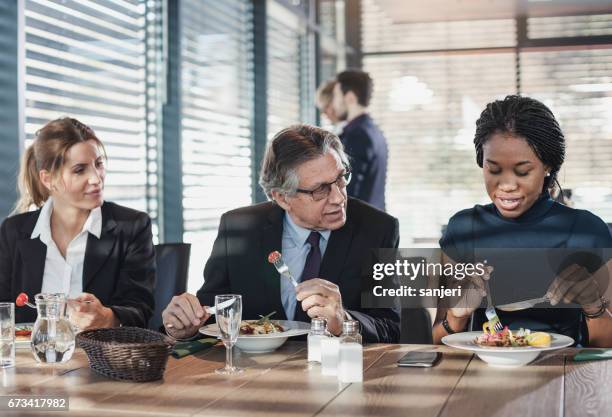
{"points": [[419, 359]]}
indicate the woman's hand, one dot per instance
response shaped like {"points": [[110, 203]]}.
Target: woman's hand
{"points": [[577, 285], [87, 312], [473, 289], [457, 310]]}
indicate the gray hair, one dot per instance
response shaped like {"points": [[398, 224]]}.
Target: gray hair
{"points": [[290, 148]]}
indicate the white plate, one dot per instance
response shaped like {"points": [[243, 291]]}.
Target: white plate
{"points": [[23, 343], [508, 357], [263, 343]]}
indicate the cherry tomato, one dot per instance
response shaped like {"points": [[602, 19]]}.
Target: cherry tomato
{"points": [[21, 300], [274, 256]]}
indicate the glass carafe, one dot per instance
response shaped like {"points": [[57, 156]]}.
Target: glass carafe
{"points": [[52, 335]]}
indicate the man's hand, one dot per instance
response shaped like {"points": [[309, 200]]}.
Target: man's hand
{"points": [[87, 312], [183, 316], [321, 298]]}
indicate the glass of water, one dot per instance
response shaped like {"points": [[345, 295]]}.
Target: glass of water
{"points": [[229, 315], [7, 335]]}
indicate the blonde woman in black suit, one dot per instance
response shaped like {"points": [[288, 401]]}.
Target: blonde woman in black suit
{"points": [[98, 253]]}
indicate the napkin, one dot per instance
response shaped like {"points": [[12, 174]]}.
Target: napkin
{"points": [[593, 355], [182, 349]]}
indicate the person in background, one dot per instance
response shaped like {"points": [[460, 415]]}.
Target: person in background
{"points": [[363, 140], [520, 148], [324, 97], [323, 235], [98, 253], [563, 196]]}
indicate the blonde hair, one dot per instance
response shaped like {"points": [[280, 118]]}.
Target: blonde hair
{"points": [[325, 94], [48, 152]]}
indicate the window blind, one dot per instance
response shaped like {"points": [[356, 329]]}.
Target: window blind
{"points": [[283, 64], [217, 84], [569, 26], [428, 96], [87, 60], [577, 86], [291, 69], [427, 104]]}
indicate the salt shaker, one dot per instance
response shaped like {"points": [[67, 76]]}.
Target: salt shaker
{"points": [[317, 333], [329, 355], [350, 362]]}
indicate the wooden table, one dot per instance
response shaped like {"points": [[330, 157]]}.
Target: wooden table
{"points": [[284, 384]]}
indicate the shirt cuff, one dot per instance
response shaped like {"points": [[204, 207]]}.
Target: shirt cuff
{"points": [[187, 339]]}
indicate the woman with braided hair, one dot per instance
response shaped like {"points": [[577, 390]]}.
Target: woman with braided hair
{"points": [[520, 148], [96, 252]]}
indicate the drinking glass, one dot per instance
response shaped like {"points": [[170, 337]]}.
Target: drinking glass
{"points": [[7, 335], [229, 315]]}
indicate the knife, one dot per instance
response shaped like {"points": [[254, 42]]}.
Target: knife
{"points": [[210, 310], [522, 305]]}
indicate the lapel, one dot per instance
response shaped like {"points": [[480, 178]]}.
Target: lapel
{"points": [[337, 251], [33, 254], [272, 233], [98, 250]]}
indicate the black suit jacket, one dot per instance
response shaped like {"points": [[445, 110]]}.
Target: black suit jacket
{"points": [[119, 268], [239, 263], [367, 148]]}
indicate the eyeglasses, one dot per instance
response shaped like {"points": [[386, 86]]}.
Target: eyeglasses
{"points": [[323, 190]]}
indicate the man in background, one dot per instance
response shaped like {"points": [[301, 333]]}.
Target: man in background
{"points": [[362, 139]]}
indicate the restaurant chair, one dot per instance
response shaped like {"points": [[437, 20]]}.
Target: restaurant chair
{"points": [[172, 260], [415, 326]]}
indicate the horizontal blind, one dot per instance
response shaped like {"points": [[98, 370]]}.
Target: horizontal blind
{"points": [[569, 26], [426, 107], [427, 104], [307, 76], [577, 86], [382, 33], [216, 125], [86, 59], [283, 68], [328, 20]]}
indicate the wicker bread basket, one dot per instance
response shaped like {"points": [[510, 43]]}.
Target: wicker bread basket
{"points": [[127, 353]]}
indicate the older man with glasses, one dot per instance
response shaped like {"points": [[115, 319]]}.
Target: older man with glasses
{"points": [[324, 237]]}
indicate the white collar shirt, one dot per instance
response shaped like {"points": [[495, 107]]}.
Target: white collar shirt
{"points": [[65, 275]]}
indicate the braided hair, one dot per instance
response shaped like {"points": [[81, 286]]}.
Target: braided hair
{"points": [[529, 119]]}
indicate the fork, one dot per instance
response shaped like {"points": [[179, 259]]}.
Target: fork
{"points": [[276, 259], [490, 312]]}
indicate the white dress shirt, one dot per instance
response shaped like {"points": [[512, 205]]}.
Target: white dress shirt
{"points": [[65, 275]]}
